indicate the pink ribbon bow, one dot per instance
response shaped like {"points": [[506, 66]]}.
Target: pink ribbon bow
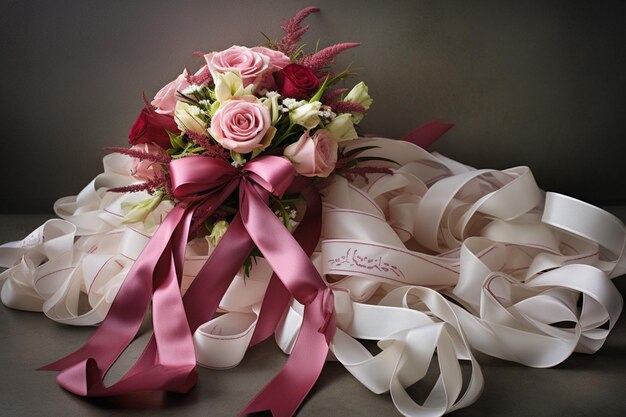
{"points": [[168, 362]]}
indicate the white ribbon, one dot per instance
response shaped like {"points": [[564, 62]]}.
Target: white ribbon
{"points": [[529, 272]]}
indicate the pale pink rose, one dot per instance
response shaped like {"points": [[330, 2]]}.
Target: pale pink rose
{"points": [[242, 125], [165, 100], [313, 156], [143, 169], [255, 65], [278, 60]]}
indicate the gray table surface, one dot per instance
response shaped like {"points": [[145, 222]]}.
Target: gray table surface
{"points": [[583, 385]]}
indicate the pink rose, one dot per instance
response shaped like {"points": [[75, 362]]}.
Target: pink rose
{"points": [[278, 60], [144, 169], [313, 156], [242, 125], [165, 100], [255, 65]]}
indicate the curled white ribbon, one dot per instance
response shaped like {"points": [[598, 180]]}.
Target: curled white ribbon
{"points": [[436, 258]]}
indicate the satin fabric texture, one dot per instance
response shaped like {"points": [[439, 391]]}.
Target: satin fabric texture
{"points": [[433, 262]]}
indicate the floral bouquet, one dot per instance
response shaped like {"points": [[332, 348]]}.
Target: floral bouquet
{"points": [[248, 192]]}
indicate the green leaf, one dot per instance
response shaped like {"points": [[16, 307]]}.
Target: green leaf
{"points": [[356, 161], [267, 38], [357, 151], [256, 153], [177, 141], [298, 51], [197, 149], [246, 268], [343, 74], [320, 91]]}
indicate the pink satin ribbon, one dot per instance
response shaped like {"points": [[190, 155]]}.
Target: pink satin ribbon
{"points": [[307, 235], [277, 297], [168, 362], [428, 133]]}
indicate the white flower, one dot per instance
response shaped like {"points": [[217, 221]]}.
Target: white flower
{"points": [[230, 85], [306, 115], [188, 120], [326, 112], [342, 128], [359, 95], [138, 212], [271, 102], [291, 103], [194, 88], [238, 160], [217, 232], [291, 216]]}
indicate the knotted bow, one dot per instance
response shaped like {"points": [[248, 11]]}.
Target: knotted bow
{"points": [[168, 362]]}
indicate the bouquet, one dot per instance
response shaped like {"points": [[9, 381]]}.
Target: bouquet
{"points": [[248, 205]]}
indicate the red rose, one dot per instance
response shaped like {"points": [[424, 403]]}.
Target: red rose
{"points": [[150, 127], [296, 81]]}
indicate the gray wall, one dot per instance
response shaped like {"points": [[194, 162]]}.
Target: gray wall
{"points": [[536, 83]]}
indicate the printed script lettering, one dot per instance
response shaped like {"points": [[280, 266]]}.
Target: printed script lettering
{"points": [[353, 259]]}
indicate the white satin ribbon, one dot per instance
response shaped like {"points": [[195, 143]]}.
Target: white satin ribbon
{"points": [[529, 272]]}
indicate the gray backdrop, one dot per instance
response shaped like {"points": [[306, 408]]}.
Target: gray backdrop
{"points": [[527, 83]]}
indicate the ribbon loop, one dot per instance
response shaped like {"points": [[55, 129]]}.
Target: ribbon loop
{"points": [[169, 360], [192, 175], [273, 173]]}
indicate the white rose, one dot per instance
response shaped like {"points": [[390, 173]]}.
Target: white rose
{"points": [[342, 128], [359, 95], [230, 85], [306, 115], [188, 120]]}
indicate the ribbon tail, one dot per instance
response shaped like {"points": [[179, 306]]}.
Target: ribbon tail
{"points": [[428, 133], [206, 291], [277, 297], [284, 394], [168, 362], [275, 303]]}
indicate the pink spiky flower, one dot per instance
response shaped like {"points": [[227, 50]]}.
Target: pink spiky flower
{"points": [[293, 31], [332, 96], [150, 186], [326, 56], [347, 107], [134, 153]]}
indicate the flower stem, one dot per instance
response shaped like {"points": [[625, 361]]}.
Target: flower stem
{"points": [[285, 135]]}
